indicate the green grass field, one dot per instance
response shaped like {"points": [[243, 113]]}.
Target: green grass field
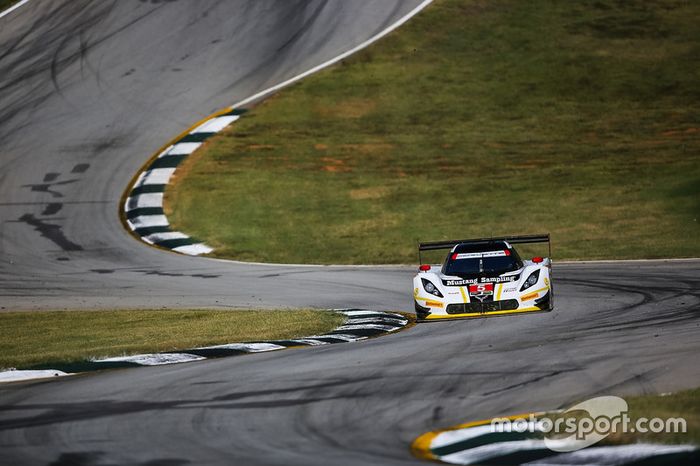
{"points": [[475, 118], [684, 404], [45, 337]]}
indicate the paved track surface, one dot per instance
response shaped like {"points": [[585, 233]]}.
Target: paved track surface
{"points": [[89, 90], [88, 93]]}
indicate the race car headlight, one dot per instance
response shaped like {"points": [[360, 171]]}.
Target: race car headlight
{"points": [[531, 280], [430, 288]]}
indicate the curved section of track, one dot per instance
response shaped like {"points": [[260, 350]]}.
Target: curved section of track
{"points": [[626, 329], [88, 90]]}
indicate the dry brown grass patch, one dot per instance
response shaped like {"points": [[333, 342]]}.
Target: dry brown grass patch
{"points": [[376, 192], [348, 108]]}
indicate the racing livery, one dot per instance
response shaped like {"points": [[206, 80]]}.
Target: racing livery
{"points": [[482, 277]]}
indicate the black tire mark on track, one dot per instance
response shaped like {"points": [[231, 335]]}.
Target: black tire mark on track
{"points": [[51, 232]]}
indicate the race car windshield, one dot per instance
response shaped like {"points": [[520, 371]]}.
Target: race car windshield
{"points": [[481, 263]]}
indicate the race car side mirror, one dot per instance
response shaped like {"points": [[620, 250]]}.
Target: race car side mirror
{"points": [[424, 268], [537, 260]]}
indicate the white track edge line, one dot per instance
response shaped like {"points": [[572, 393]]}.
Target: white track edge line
{"points": [[336, 59], [13, 8], [412, 266]]}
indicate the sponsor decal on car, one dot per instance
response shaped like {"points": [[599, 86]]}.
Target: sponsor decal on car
{"points": [[474, 281], [460, 282], [481, 291], [479, 255], [510, 278]]}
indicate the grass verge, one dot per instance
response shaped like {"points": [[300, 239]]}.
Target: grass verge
{"points": [[679, 415], [475, 118], [45, 337], [684, 404]]}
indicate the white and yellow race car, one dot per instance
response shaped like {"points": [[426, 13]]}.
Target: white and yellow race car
{"points": [[483, 277]]}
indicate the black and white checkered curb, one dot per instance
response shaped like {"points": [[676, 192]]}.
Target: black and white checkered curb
{"points": [[360, 325], [143, 206]]}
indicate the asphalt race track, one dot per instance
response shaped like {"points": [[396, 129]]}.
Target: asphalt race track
{"points": [[88, 91]]}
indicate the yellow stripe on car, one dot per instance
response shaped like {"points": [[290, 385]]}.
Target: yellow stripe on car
{"points": [[500, 290], [533, 294], [464, 295]]}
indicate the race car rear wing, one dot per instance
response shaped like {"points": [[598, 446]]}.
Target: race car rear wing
{"points": [[435, 245]]}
